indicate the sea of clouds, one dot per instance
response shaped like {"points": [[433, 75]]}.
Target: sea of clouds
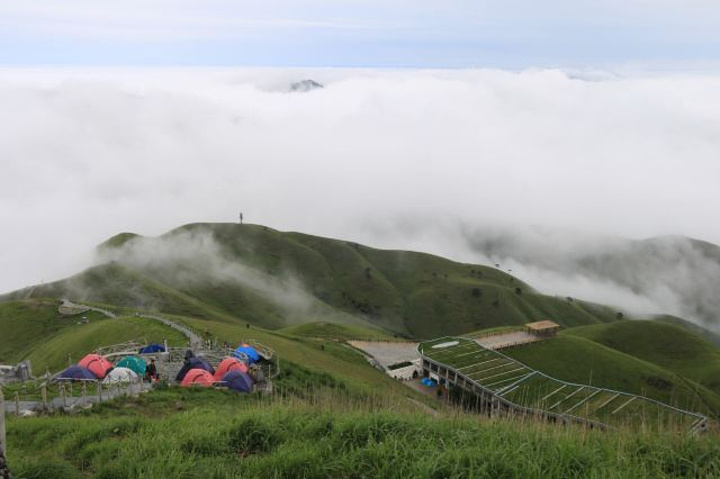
{"points": [[429, 160]]}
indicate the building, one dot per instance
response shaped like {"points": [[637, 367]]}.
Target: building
{"points": [[543, 328]]}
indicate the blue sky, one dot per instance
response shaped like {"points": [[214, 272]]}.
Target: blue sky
{"points": [[664, 34]]}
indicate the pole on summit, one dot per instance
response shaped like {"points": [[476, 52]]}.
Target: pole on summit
{"points": [[241, 218]]}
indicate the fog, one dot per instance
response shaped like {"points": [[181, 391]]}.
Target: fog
{"points": [[425, 160]]}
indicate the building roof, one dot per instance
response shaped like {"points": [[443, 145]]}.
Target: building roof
{"points": [[542, 325]]}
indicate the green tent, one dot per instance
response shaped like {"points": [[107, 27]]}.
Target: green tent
{"points": [[133, 363]]}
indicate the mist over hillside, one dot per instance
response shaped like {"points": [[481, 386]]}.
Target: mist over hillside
{"points": [[90, 152], [671, 275], [274, 279]]}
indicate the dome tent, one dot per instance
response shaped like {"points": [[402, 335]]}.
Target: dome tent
{"points": [[134, 363], [198, 377], [248, 351], [152, 348], [97, 364], [193, 362], [238, 381], [76, 373], [227, 365], [121, 375]]}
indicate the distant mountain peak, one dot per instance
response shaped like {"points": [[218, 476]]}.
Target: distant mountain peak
{"points": [[305, 85]]}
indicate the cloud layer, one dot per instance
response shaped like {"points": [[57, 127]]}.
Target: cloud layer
{"points": [[387, 157]]}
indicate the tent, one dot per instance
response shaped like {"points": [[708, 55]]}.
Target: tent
{"points": [[152, 348], [197, 377], [97, 364], [193, 362], [121, 375], [136, 364], [238, 381], [248, 351], [75, 373], [227, 365]]}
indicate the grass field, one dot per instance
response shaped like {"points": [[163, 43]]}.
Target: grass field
{"points": [[34, 330], [27, 324], [74, 342], [336, 331], [528, 388], [669, 346], [576, 359], [206, 433]]}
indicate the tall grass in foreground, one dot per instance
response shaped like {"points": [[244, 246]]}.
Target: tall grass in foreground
{"points": [[329, 432]]}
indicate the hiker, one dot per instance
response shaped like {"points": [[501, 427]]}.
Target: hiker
{"points": [[151, 372]]}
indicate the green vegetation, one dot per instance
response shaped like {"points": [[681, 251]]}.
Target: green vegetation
{"points": [[272, 279], [28, 324], [521, 386], [669, 346], [205, 433], [576, 359], [336, 331], [78, 340], [34, 330], [304, 296]]}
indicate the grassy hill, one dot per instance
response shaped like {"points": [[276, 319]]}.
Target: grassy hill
{"points": [[334, 331], [275, 279], [574, 358], [77, 340], [34, 330], [27, 324], [667, 345], [206, 433]]}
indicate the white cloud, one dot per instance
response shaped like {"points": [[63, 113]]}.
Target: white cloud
{"points": [[89, 153]]}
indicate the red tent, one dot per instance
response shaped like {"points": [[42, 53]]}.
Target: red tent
{"points": [[198, 377], [97, 364], [229, 364]]}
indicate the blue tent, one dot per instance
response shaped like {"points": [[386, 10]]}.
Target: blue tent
{"points": [[75, 373], [152, 348], [248, 351], [428, 382], [237, 381], [193, 362]]}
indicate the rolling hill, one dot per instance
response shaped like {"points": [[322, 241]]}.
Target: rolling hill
{"points": [[33, 329], [576, 359], [678, 272], [274, 279], [669, 346]]}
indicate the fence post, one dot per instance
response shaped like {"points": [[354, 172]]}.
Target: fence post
{"points": [[99, 391], [62, 393], [3, 447], [44, 396], [17, 403]]}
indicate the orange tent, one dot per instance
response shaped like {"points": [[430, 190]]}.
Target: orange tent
{"points": [[198, 377], [227, 365], [97, 364]]}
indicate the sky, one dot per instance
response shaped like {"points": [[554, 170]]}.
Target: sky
{"points": [[512, 34], [592, 119]]}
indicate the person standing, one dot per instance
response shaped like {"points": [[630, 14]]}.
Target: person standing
{"points": [[151, 372]]}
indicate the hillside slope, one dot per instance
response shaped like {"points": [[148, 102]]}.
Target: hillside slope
{"points": [[680, 273], [275, 279], [669, 346], [576, 359], [27, 324]]}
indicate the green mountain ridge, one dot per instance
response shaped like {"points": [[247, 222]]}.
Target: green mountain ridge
{"points": [[276, 279]]}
